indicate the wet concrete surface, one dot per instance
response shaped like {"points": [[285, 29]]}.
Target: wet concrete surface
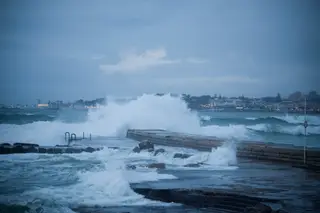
{"points": [[296, 190]]}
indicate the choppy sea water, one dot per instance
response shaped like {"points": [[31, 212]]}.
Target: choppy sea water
{"points": [[101, 180]]}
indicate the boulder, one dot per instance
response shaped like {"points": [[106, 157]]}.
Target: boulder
{"points": [[158, 151], [181, 155], [156, 165], [194, 165], [89, 149], [136, 149], [259, 208], [131, 167], [146, 145]]}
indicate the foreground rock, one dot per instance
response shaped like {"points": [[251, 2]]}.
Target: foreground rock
{"points": [[145, 145], [158, 151], [181, 155], [259, 208], [156, 165], [193, 165], [207, 199], [150, 166]]}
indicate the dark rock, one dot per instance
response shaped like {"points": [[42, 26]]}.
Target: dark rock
{"points": [[156, 165], [202, 198], [57, 151], [62, 146], [89, 149], [26, 144], [194, 165], [113, 147], [158, 151], [50, 151], [18, 149], [73, 150], [181, 155], [146, 145], [131, 167], [259, 208], [280, 211], [4, 208], [42, 150], [136, 149], [5, 148]]}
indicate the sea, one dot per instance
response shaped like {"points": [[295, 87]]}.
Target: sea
{"points": [[102, 182]]}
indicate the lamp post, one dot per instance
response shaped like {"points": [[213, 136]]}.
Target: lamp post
{"points": [[305, 124]]}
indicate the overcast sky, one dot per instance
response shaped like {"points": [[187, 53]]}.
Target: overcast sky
{"points": [[87, 49]]}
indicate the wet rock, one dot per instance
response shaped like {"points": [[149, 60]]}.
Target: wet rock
{"points": [[24, 148], [113, 147], [280, 211], [203, 198], [181, 155], [146, 145], [42, 150], [18, 149], [13, 208], [89, 149], [259, 208], [131, 167], [194, 165], [25, 145], [58, 151], [5, 148], [73, 150], [136, 149], [62, 146], [151, 150], [158, 151], [156, 165]]}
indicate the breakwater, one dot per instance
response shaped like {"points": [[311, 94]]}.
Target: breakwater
{"points": [[271, 152], [7, 148]]}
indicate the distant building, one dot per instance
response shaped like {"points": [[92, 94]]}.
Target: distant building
{"points": [[42, 105]]}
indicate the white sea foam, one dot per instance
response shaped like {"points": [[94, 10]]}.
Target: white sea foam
{"points": [[290, 130], [105, 185], [147, 111]]}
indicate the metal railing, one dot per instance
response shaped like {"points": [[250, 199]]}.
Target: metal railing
{"points": [[73, 137]]}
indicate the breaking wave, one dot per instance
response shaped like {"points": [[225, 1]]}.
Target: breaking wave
{"points": [[295, 130], [146, 112], [289, 119]]}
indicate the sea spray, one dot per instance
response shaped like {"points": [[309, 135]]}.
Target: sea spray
{"points": [[145, 112]]}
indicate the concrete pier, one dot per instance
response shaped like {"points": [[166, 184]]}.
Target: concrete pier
{"points": [[288, 154], [7, 148]]}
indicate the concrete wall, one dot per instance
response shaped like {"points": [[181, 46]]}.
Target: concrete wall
{"points": [[245, 149]]}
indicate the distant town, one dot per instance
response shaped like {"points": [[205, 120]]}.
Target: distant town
{"points": [[295, 102]]}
